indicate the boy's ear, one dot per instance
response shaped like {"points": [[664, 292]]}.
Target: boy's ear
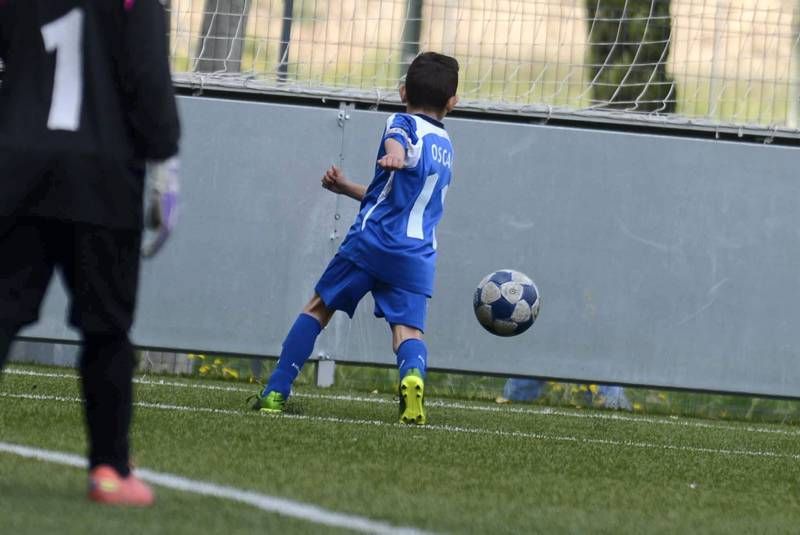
{"points": [[451, 103], [403, 93]]}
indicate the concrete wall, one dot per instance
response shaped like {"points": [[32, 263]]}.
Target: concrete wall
{"points": [[662, 261]]}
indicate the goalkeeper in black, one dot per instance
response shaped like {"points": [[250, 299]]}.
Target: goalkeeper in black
{"points": [[87, 107]]}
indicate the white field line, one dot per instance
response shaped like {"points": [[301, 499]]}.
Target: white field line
{"points": [[270, 504], [544, 411], [447, 428]]}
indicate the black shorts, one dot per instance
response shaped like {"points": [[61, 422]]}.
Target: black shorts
{"points": [[99, 267]]}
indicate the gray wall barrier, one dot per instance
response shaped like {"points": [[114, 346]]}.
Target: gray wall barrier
{"points": [[662, 261]]}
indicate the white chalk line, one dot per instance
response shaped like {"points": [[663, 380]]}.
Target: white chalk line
{"points": [[437, 427], [270, 504], [544, 411]]}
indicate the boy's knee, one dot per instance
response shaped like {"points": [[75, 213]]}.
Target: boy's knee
{"points": [[318, 310], [401, 333]]}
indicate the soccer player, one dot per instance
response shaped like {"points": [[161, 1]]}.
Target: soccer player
{"points": [[86, 101], [390, 249], [608, 396]]}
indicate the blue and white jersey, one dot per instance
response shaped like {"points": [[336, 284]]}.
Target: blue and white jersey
{"points": [[394, 234]]}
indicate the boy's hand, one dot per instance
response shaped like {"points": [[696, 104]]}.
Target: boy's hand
{"points": [[395, 157], [392, 162], [334, 180]]}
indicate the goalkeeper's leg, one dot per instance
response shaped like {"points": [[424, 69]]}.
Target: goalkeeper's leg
{"points": [[107, 364], [25, 272], [101, 271], [7, 335]]}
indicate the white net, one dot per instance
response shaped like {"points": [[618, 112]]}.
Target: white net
{"points": [[731, 63]]}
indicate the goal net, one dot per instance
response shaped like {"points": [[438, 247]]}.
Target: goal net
{"points": [[703, 63]]}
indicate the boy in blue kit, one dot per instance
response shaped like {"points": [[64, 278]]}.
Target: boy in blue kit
{"points": [[390, 250]]}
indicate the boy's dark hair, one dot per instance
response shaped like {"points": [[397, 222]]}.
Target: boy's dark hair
{"points": [[431, 80]]}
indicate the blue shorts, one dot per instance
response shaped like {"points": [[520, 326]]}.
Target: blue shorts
{"points": [[344, 284]]}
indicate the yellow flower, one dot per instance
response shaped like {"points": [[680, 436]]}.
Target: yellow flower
{"points": [[230, 372], [637, 406], [204, 369], [218, 362]]}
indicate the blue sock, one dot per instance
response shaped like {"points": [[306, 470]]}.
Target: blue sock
{"points": [[412, 354], [296, 349]]}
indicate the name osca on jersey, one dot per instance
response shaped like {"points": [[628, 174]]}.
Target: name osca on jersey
{"points": [[441, 155]]}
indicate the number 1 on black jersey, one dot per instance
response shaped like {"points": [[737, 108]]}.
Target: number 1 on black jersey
{"points": [[64, 37]]}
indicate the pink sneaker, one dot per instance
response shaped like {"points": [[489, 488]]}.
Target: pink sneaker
{"points": [[106, 486]]}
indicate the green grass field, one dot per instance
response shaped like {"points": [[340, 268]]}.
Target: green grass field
{"points": [[478, 468]]}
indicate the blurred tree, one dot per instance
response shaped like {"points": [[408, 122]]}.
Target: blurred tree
{"points": [[219, 47], [411, 33], [286, 35], [628, 49]]}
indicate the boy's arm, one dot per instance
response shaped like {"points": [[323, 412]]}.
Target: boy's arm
{"points": [[335, 181], [394, 159]]}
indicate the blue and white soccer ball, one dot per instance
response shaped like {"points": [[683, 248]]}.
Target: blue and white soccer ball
{"points": [[506, 302]]}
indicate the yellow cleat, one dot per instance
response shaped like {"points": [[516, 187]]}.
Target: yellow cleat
{"points": [[412, 398]]}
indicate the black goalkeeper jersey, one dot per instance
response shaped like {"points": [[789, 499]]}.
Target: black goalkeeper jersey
{"points": [[86, 97]]}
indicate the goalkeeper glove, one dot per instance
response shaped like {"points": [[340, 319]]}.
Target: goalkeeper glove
{"points": [[161, 212]]}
